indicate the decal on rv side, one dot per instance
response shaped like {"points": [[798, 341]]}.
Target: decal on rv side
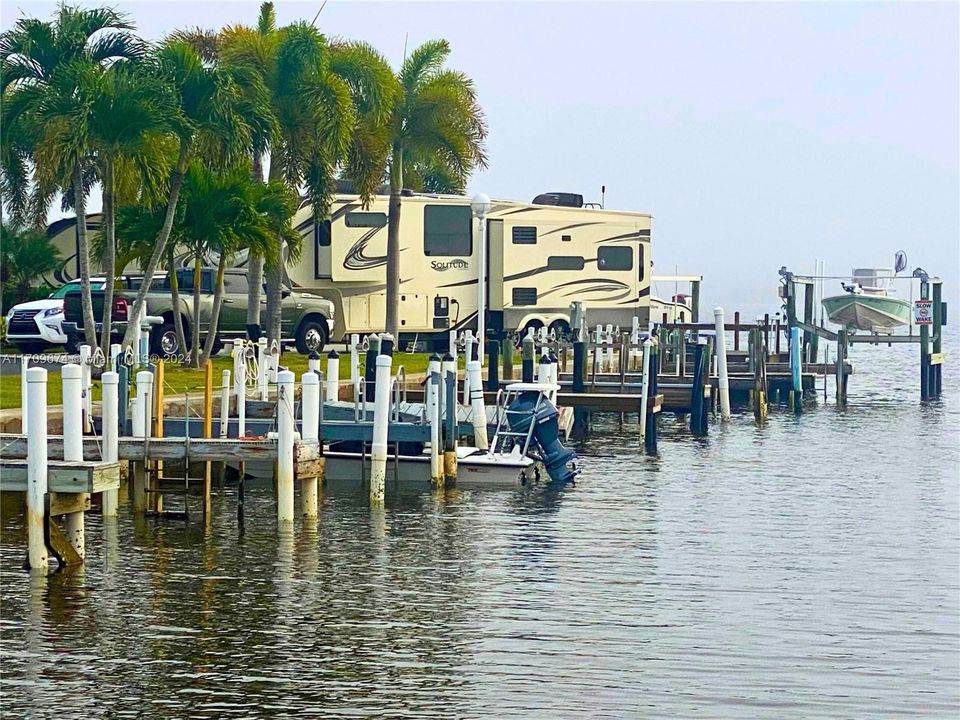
{"points": [[457, 264], [356, 260]]}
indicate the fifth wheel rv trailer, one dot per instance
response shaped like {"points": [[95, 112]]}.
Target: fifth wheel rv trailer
{"points": [[540, 258]]}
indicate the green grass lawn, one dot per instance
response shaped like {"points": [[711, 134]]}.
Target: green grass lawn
{"points": [[179, 380]]}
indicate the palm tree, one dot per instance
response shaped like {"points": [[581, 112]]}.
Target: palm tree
{"points": [[208, 123], [436, 123], [42, 65], [26, 255]]}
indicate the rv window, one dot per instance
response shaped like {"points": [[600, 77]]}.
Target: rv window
{"points": [[235, 283], [565, 262], [615, 258], [447, 231], [525, 235], [524, 296], [641, 265], [322, 231], [366, 220]]}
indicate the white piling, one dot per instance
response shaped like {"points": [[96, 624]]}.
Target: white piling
{"points": [[635, 352], [24, 404], [381, 426], [447, 367], [598, 348], [225, 404], [467, 359], [333, 376], [285, 442], [554, 379], [645, 387], [262, 363], [608, 337], [86, 396], [310, 429], [723, 380], [478, 411], [116, 356], [145, 401], [36, 380], [109, 417], [433, 417], [355, 365], [240, 382], [313, 363], [135, 341], [72, 376]]}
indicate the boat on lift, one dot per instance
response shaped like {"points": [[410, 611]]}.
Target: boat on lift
{"points": [[867, 303]]}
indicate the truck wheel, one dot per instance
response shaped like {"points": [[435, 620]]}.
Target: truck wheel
{"points": [[164, 340], [312, 336]]}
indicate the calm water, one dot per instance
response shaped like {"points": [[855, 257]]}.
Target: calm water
{"points": [[808, 568]]}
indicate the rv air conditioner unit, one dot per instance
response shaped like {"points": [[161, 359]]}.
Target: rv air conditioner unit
{"points": [[559, 198]]}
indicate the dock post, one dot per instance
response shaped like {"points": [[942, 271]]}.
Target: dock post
{"points": [[554, 377], [72, 376], [696, 392], [645, 391], [506, 352], [493, 365], [313, 362], [478, 410], [141, 428], [736, 331], [723, 380], [809, 344], [650, 426], [581, 416], [262, 367], [433, 417], [543, 370], [355, 366], [841, 378], [116, 356], [225, 404], [450, 427], [526, 374], [796, 386], [468, 342], [240, 382], [110, 427], [36, 431], [381, 427], [333, 376], [285, 449], [925, 347], [207, 433], [24, 404], [936, 379], [86, 397], [370, 367], [310, 428]]}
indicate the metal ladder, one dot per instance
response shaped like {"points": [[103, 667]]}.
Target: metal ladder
{"points": [[503, 431]]}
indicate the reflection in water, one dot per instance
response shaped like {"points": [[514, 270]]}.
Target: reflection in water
{"points": [[804, 568]]}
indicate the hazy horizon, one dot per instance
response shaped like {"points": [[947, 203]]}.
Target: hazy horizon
{"points": [[758, 135]]}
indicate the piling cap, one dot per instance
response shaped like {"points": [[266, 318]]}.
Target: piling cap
{"points": [[36, 375], [285, 376], [71, 372], [544, 360], [435, 358], [314, 355], [384, 361], [310, 378], [473, 365], [553, 359], [333, 355], [447, 357], [110, 378]]}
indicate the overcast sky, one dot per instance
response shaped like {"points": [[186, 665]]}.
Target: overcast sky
{"points": [[758, 135]]}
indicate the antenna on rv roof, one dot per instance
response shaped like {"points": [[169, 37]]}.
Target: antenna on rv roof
{"points": [[603, 191]]}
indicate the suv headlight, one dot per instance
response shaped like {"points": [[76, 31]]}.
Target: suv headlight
{"points": [[50, 312]]}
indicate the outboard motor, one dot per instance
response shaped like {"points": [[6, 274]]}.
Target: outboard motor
{"points": [[532, 406]]}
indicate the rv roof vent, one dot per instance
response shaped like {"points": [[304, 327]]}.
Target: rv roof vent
{"points": [[559, 198]]}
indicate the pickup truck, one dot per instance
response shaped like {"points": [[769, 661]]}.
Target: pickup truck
{"points": [[307, 319]]}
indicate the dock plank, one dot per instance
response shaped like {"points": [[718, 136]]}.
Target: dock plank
{"points": [[62, 477]]}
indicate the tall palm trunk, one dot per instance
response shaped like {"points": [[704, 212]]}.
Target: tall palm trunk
{"points": [[176, 183], [109, 253], [274, 275], [83, 252], [195, 332], [255, 268], [215, 312], [177, 317], [393, 241]]}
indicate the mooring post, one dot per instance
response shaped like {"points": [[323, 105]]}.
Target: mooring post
{"points": [[109, 408], [370, 367], [528, 353], [355, 366], [796, 386], [381, 428], [310, 429], [433, 391], [696, 392], [467, 359], [225, 404], [36, 431], [543, 370], [581, 416], [333, 376], [736, 331], [777, 338], [141, 428], [809, 344], [493, 365], [723, 380], [86, 353], [841, 382], [207, 432], [263, 366], [652, 418], [645, 387], [924, 347], [478, 411], [506, 351], [24, 404], [72, 377], [450, 428], [936, 381], [448, 366], [285, 446]]}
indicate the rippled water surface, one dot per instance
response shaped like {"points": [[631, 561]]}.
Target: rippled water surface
{"points": [[807, 568]]}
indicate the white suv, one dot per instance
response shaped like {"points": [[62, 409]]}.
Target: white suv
{"points": [[33, 326]]}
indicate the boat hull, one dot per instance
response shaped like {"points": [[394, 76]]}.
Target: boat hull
{"points": [[867, 312]]}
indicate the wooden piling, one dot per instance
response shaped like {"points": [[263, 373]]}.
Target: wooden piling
{"points": [[736, 331], [207, 431], [493, 365], [529, 352], [651, 428], [936, 383], [924, 347], [506, 351]]}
